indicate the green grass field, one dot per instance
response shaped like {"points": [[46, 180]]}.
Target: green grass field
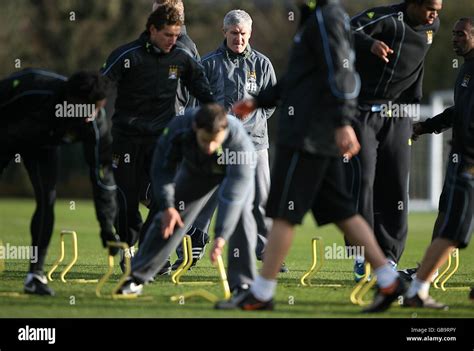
{"points": [[79, 300]]}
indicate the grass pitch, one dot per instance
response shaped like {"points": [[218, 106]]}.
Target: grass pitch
{"points": [[79, 300]]}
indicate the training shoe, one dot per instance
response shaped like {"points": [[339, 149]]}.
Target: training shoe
{"points": [[246, 301], [166, 270], [284, 268], [384, 297], [237, 294], [408, 274], [177, 263], [428, 302], [359, 271], [130, 287], [199, 240], [37, 284]]}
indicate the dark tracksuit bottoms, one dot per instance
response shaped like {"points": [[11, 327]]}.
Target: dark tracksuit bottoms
{"points": [[381, 170], [379, 177], [42, 165]]}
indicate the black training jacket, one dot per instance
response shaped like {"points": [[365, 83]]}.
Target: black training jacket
{"points": [[319, 90], [29, 100], [460, 117], [401, 79], [147, 83]]}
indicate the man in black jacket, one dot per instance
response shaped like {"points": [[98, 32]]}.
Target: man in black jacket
{"points": [[391, 45], [453, 227], [318, 100], [40, 110], [146, 73]]}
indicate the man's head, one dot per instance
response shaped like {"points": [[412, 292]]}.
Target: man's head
{"points": [[86, 88], [423, 12], [463, 37], [237, 30], [178, 4], [164, 26], [210, 125]]}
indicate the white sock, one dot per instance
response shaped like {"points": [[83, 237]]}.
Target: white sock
{"points": [[360, 259], [419, 287], [263, 289], [386, 276]]}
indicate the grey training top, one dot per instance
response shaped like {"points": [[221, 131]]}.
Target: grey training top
{"points": [[234, 77], [233, 164]]}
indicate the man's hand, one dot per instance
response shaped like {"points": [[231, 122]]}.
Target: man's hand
{"points": [[169, 219], [417, 131], [217, 249], [346, 141], [243, 108], [382, 50], [109, 235]]}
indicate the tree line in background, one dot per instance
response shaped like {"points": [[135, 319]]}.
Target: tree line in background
{"points": [[69, 35]]}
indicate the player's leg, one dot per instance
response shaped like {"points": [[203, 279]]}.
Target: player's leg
{"points": [[453, 230], [146, 193], [192, 191], [199, 233], [42, 166], [288, 202], [391, 187], [262, 189], [360, 173], [361, 168], [241, 262], [333, 204], [126, 161], [96, 141], [199, 236], [390, 285]]}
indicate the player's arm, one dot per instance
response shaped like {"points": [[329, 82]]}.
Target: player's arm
{"points": [[368, 24], [98, 154], [333, 50], [266, 99], [114, 69], [270, 81], [216, 84], [196, 81], [334, 53], [437, 124]]}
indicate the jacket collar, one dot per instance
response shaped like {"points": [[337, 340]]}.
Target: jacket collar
{"points": [[232, 55]]}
